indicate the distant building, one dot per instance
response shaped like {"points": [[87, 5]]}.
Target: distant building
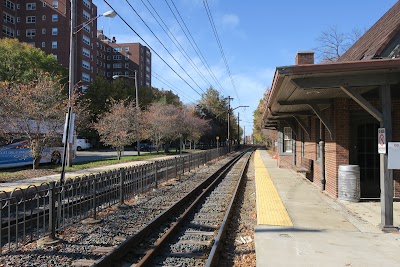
{"points": [[45, 24], [123, 59]]}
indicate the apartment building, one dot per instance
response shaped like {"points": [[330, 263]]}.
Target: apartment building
{"points": [[45, 24], [123, 59]]}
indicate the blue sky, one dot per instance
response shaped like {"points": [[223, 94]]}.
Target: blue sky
{"points": [[256, 36]]}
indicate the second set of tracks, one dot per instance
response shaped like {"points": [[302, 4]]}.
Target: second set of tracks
{"points": [[190, 232]]}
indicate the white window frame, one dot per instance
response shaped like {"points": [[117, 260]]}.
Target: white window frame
{"points": [[117, 65], [30, 19], [85, 77], [54, 4], [43, 30], [86, 64], [30, 6], [117, 57], [8, 31], [9, 4], [30, 32], [86, 52], [43, 17], [54, 31], [86, 15], [43, 44], [85, 39], [54, 45], [8, 18], [54, 17], [287, 144]]}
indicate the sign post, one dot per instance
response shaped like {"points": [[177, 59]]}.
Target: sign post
{"points": [[381, 141]]}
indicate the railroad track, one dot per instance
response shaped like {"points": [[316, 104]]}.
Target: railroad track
{"points": [[190, 232]]}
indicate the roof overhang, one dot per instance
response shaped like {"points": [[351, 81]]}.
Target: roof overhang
{"points": [[305, 90]]}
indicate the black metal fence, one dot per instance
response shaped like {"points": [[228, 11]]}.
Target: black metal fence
{"points": [[37, 211]]}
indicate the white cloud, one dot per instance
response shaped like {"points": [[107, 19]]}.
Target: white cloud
{"points": [[230, 21]]}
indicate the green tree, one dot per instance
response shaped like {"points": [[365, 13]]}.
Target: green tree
{"points": [[20, 62], [34, 112]]}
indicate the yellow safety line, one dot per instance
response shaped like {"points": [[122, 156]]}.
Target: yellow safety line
{"points": [[270, 208]]}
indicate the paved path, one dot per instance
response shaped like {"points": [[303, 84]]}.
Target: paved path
{"points": [[325, 231]]}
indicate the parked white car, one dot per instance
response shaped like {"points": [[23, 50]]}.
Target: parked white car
{"points": [[82, 144]]}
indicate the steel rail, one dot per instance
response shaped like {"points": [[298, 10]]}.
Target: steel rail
{"points": [[120, 251], [213, 257]]}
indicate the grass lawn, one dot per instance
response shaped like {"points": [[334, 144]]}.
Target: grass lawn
{"points": [[26, 172]]}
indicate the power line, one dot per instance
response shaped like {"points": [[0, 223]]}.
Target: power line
{"points": [[171, 86], [174, 40], [193, 44], [130, 27], [210, 18], [148, 27]]}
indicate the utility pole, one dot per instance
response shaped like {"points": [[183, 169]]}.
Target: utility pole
{"points": [[238, 131], [138, 109], [229, 118], [244, 134], [71, 80]]}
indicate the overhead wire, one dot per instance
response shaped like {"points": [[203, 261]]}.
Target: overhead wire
{"points": [[172, 87], [210, 18], [148, 27], [194, 44], [150, 47], [174, 40]]}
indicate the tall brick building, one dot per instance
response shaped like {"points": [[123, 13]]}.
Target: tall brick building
{"points": [[123, 59], [45, 24]]}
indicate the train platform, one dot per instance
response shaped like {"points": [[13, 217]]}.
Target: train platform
{"points": [[298, 225]]}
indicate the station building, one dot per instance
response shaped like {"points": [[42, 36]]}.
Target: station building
{"points": [[328, 115]]}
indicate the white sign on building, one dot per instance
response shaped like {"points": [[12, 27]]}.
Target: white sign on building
{"points": [[381, 141]]}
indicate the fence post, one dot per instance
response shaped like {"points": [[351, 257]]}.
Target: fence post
{"points": [[155, 173], [121, 186], [94, 198], [176, 167], [52, 210]]}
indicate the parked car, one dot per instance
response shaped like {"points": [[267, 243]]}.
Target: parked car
{"points": [[82, 144]]}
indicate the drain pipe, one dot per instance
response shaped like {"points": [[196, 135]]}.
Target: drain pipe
{"points": [[322, 158]]}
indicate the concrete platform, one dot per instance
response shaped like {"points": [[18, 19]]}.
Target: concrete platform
{"points": [[325, 232]]}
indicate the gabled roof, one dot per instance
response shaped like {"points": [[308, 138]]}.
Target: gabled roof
{"points": [[377, 38]]}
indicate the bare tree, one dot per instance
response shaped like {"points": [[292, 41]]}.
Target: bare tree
{"points": [[332, 43], [119, 127], [33, 112]]}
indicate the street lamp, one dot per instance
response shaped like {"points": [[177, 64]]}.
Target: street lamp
{"points": [[72, 66], [137, 105], [229, 111]]}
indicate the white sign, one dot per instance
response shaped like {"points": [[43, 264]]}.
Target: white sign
{"points": [[394, 155], [381, 141]]}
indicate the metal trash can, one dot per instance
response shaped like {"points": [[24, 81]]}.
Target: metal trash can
{"points": [[349, 183]]}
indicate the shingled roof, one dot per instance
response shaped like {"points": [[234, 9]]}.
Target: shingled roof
{"points": [[377, 38]]}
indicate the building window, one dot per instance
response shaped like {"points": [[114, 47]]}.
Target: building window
{"points": [[8, 18], [127, 57], [43, 44], [108, 66], [44, 4], [30, 19], [55, 56], [108, 49], [86, 15], [85, 77], [87, 28], [8, 31], [126, 48], [43, 30], [84, 88], [86, 39], [31, 6], [85, 52], [117, 73], [18, 32], [9, 4], [117, 49], [85, 64], [54, 17], [55, 4], [18, 19], [117, 57], [44, 17], [287, 140], [18, 6], [54, 44], [117, 65], [108, 57], [30, 32], [54, 31], [86, 3], [126, 65]]}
